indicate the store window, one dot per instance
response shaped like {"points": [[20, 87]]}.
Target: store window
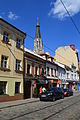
{"points": [[3, 88], [17, 87]]}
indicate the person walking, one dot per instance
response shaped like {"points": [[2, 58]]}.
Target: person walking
{"points": [[41, 90], [44, 89]]}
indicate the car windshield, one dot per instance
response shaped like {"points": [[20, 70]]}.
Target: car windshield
{"points": [[53, 89], [65, 90]]}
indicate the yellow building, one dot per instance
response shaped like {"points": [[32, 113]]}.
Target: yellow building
{"points": [[67, 55], [11, 61]]}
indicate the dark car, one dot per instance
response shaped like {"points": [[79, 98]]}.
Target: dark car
{"points": [[68, 92], [52, 94]]}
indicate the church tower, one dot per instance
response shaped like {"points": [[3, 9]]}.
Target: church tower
{"points": [[38, 45]]}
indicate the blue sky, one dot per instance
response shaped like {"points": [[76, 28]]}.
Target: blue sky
{"points": [[55, 25]]}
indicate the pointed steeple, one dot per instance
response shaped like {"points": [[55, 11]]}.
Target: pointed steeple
{"points": [[38, 34], [38, 45], [37, 22]]}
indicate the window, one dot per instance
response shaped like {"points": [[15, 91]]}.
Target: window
{"points": [[5, 37], [37, 43], [17, 87], [36, 70], [28, 69], [3, 88], [47, 70], [51, 71], [18, 64], [4, 61], [51, 59], [71, 76], [67, 75], [74, 76], [42, 71], [55, 72], [18, 43]]}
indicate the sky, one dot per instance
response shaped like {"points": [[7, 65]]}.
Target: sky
{"points": [[55, 24]]}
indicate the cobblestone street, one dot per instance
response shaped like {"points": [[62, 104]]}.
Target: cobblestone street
{"points": [[67, 108]]}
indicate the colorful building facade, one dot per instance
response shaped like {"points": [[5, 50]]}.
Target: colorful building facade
{"points": [[34, 73], [11, 61]]}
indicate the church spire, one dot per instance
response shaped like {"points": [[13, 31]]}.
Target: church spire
{"points": [[38, 34], [38, 45], [37, 22]]}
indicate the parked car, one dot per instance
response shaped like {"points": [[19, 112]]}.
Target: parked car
{"points": [[52, 94], [68, 92]]}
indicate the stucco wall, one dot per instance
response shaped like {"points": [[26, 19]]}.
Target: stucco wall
{"points": [[67, 56]]}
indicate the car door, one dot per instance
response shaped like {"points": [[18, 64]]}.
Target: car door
{"points": [[56, 93], [61, 93]]}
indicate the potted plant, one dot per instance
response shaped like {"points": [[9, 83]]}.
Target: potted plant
{"points": [[35, 92]]}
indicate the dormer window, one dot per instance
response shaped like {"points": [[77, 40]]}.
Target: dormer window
{"points": [[5, 37], [18, 43]]}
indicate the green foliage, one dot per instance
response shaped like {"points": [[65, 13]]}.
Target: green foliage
{"points": [[35, 91]]}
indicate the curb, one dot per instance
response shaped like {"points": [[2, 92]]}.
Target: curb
{"points": [[8, 106]]}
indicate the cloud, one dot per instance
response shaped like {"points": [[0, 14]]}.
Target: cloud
{"points": [[12, 16], [0, 16], [58, 10]]}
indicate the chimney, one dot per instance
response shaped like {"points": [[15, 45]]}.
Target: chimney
{"points": [[72, 46]]}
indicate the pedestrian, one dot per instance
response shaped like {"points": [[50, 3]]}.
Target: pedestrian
{"points": [[40, 89], [44, 89]]}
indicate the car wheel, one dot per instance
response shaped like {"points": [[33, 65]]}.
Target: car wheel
{"points": [[40, 99], [68, 95], [53, 99], [62, 97]]}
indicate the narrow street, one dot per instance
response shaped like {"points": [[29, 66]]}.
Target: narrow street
{"points": [[67, 108]]}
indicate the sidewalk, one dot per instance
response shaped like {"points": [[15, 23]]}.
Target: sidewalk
{"points": [[17, 102]]}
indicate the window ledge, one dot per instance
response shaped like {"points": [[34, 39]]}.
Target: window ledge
{"points": [[19, 48], [18, 71], [6, 43], [5, 69], [52, 75]]}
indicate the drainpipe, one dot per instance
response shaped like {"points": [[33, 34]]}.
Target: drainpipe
{"points": [[23, 71]]}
